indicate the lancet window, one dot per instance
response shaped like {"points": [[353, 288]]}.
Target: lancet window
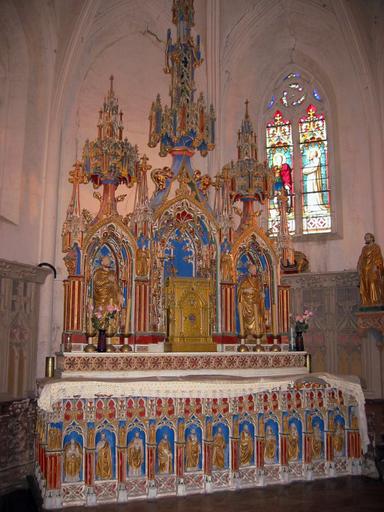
{"points": [[296, 136]]}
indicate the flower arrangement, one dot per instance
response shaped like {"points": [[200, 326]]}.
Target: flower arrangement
{"points": [[301, 321], [101, 318]]}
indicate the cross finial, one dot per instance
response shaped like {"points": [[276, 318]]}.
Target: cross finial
{"points": [[144, 164], [246, 109], [111, 87]]}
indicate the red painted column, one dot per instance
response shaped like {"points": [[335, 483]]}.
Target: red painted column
{"points": [[208, 449], [283, 449], [141, 305], [180, 449], [227, 308], [151, 453], [284, 301], [308, 441], [53, 471], [235, 446], [260, 443], [90, 459], [329, 440], [354, 448], [73, 303], [121, 465]]}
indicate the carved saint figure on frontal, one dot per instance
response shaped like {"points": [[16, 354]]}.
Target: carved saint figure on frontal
{"points": [[72, 461], [371, 272], [164, 456], [192, 452], [293, 443], [246, 447], [317, 442], [270, 445], [135, 455], [219, 445], [250, 296], [103, 459], [338, 440]]}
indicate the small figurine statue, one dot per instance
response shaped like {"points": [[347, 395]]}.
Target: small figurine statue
{"points": [[371, 272], [250, 296], [105, 285]]}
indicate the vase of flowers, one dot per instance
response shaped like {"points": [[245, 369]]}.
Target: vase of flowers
{"points": [[102, 320], [301, 326]]}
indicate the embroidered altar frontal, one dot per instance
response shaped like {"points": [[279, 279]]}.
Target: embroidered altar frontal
{"points": [[114, 441]]}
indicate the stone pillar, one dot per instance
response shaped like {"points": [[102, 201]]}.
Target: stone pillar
{"points": [[17, 423]]}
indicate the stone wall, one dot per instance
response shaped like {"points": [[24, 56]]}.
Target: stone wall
{"points": [[17, 424], [332, 339], [19, 314]]}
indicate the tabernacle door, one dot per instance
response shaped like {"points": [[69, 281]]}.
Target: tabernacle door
{"points": [[190, 314]]}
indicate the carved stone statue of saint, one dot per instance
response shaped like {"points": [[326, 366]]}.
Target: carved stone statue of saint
{"points": [[192, 452], [72, 461], [371, 272], [135, 455], [103, 459], [219, 445], [142, 262], [164, 456], [105, 286], [270, 445], [246, 447], [250, 296], [293, 443], [226, 266]]}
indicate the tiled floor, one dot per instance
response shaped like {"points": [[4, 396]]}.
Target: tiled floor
{"points": [[352, 494], [349, 494]]}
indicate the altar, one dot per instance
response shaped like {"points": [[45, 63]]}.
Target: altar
{"points": [[101, 441], [179, 370]]}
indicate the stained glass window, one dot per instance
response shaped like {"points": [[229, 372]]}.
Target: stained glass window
{"points": [[279, 152], [297, 136], [314, 166]]}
